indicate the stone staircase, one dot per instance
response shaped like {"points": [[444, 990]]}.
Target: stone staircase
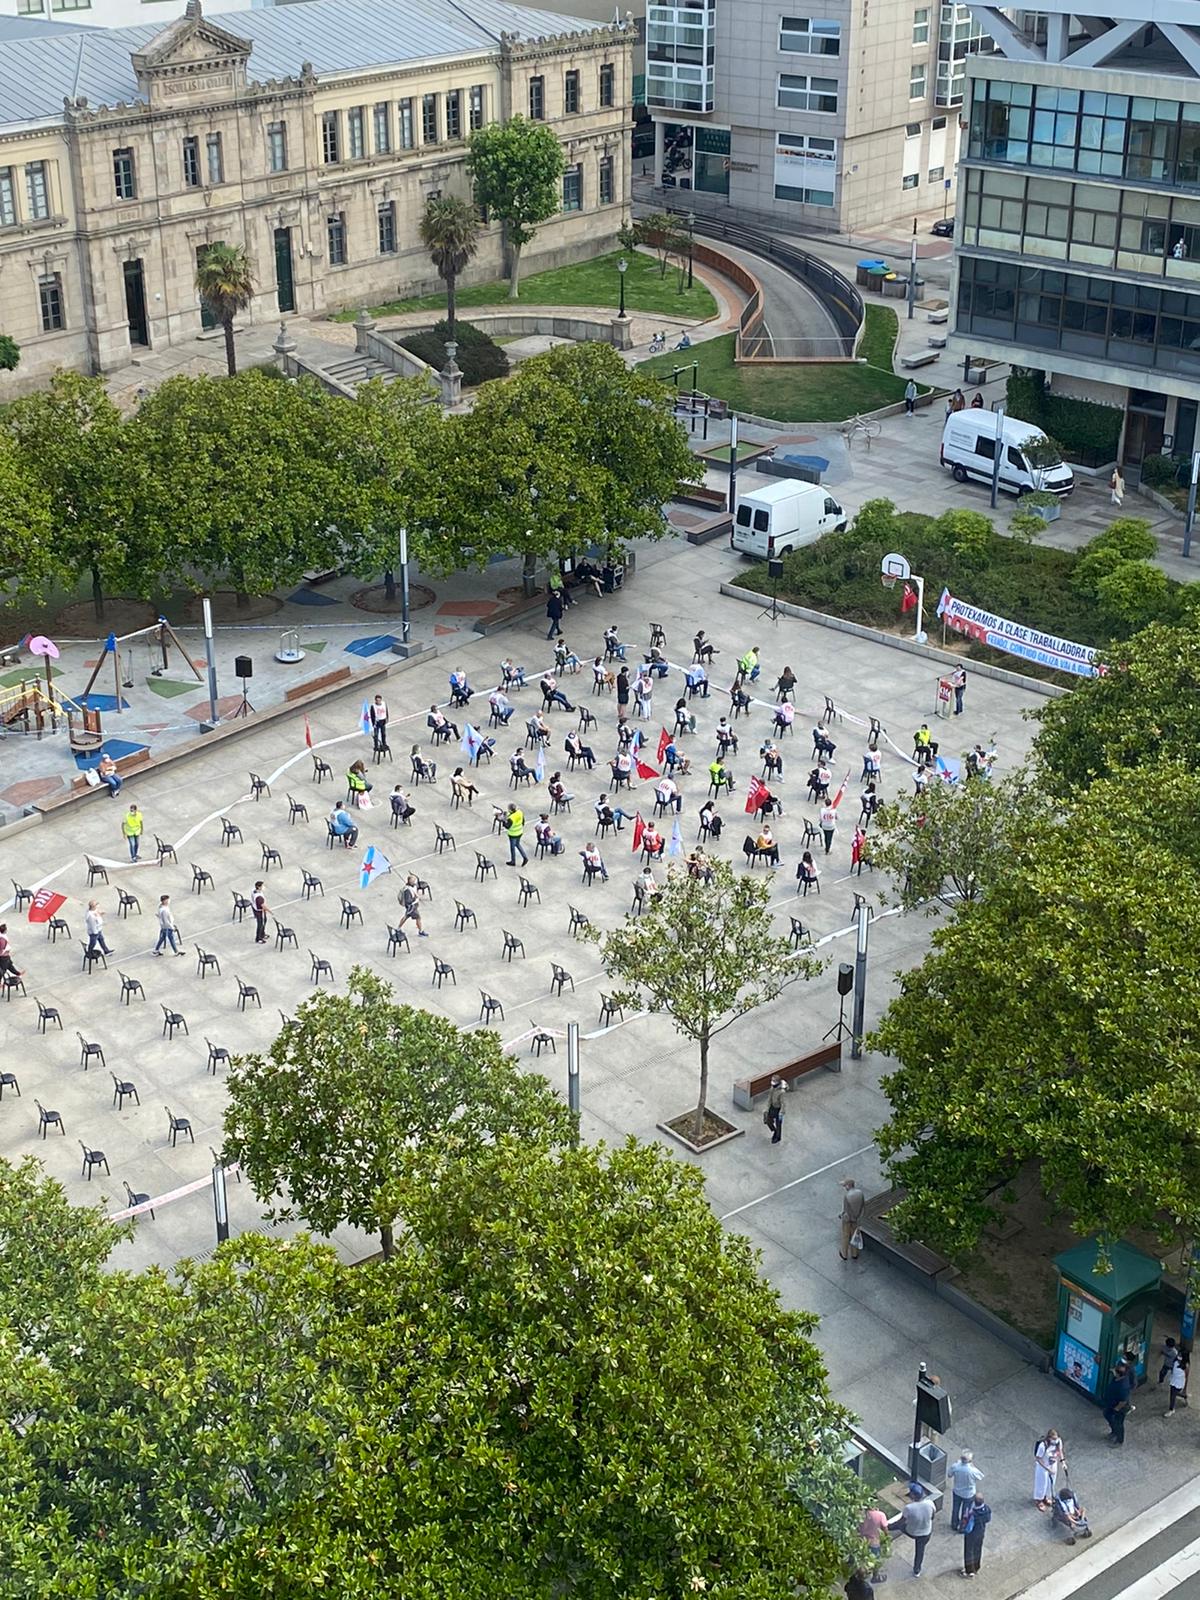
{"points": [[353, 369]]}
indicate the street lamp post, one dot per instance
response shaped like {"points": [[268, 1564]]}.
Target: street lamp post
{"points": [[622, 269], [404, 618], [691, 228]]}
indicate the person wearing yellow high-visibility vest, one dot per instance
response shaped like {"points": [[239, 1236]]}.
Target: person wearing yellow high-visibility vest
{"points": [[514, 828]]}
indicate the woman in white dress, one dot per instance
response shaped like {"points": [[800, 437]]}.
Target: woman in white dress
{"points": [[1048, 1457]]}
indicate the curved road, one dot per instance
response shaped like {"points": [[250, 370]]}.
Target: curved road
{"points": [[793, 318]]}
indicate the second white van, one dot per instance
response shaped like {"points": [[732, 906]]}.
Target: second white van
{"points": [[784, 516], [971, 438]]}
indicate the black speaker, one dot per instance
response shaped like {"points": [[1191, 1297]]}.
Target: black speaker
{"points": [[933, 1406], [775, 567], [845, 977], [243, 667]]}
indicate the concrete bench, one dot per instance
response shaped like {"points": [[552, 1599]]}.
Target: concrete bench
{"points": [[696, 494], [746, 1090], [299, 690], [123, 764], [938, 316], [923, 358], [937, 341], [711, 529]]}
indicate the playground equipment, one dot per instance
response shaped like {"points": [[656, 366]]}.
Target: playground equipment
{"points": [[26, 707], [162, 637]]}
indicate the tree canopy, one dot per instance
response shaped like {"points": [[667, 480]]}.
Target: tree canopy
{"points": [[360, 1089], [703, 954], [450, 232], [516, 168]]}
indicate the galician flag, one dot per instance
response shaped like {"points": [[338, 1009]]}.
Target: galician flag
{"points": [[675, 848], [374, 865], [943, 602], [470, 742], [539, 766], [364, 721]]}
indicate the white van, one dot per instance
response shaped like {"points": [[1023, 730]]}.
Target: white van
{"points": [[784, 516], [969, 450]]}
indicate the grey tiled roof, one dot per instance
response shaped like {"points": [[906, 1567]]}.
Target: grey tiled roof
{"points": [[37, 74]]}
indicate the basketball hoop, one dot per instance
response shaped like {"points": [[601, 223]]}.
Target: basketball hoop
{"points": [[888, 579]]}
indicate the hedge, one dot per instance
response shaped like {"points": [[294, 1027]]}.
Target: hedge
{"points": [[1088, 431], [479, 356]]}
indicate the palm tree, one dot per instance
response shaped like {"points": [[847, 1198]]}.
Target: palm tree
{"points": [[225, 279], [450, 232]]}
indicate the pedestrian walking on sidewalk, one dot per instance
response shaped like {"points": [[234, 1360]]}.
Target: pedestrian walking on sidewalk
{"points": [[131, 827], [1179, 1378], [853, 1201], [1048, 1456], [258, 902], [167, 931], [773, 1116], [910, 398], [964, 1477], [975, 1524], [1116, 1402], [94, 923]]}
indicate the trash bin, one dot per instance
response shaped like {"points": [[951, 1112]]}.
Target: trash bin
{"points": [[927, 1464]]}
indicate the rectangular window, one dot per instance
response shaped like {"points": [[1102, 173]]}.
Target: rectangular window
{"points": [[936, 174], [216, 160], [810, 36], [917, 82], [911, 180], [37, 191], [191, 163], [920, 33], [572, 190], [356, 133], [331, 137], [805, 169], [124, 184], [8, 198], [383, 129], [335, 232], [806, 94], [50, 303], [407, 136], [387, 228], [277, 158], [429, 119], [606, 180], [537, 99], [571, 93], [608, 84], [475, 103], [454, 114]]}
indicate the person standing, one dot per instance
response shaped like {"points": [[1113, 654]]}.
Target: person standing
{"points": [[853, 1201], [1179, 1378], [379, 722], [258, 902], [622, 693], [774, 1112], [916, 1520], [979, 1514], [958, 682], [1048, 1456], [8, 967], [167, 931], [514, 828], [94, 923], [554, 610], [1116, 486], [872, 1529], [828, 824], [1116, 1402], [131, 827], [964, 1475], [910, 398], [1170, 1355]]}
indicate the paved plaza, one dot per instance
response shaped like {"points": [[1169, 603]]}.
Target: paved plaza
{"points": [[875, 1326]]}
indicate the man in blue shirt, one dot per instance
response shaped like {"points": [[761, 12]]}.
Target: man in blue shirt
{"points": [[343, 827], [1116, 1402]]}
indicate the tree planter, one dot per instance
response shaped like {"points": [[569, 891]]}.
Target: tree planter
{"points": [[1047, 513], [716, 1131]]}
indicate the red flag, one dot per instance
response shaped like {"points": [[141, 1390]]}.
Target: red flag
{"points": [[45, 904], [664, 740], [307, 734], [837, 799], [857, 846], [909, 598], [754, 793], [639, 828], [643, 771]]}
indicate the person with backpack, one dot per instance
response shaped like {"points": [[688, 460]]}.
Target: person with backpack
{"points": [[1048, 1456], [975, 1523]]}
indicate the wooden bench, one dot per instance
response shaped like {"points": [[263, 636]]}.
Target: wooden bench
{"points": [[923, 358], [711, 529], [123, 764], [299, 690], [696, 494], [746, 1090], [909, 1256]]}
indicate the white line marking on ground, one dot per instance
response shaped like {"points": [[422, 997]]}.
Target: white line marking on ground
{"points": [[784, 1187], [1106, 1552]]}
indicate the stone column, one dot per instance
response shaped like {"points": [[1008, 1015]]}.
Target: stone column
{"points": [[363, 325], [284, 347], [451, 378], [622, 333]]}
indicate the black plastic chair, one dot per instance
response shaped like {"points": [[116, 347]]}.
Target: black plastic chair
{"points": [[201, 879], [49, 1119], [230, 832], [88, 1050], [47, 1015], [270, 856], [171, 1021], [123, 1090], [511, 945], [246, 992], [92, 1159], [320, 969], [178, 1125], [204, 960]]}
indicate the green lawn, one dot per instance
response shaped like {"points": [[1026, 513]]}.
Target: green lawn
{"points": [[805, 392], [587, 283]]}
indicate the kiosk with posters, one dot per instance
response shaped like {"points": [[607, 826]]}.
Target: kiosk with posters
{"points": [[1103, 1315]]}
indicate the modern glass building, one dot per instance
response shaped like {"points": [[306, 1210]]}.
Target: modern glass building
{"points": [[1079, 214]]}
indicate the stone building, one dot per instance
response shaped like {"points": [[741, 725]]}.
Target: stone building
{"points": [[313, 135]]}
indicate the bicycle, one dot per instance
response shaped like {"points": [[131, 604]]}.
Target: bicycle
{"points": [[861, 427], [658, 344]]}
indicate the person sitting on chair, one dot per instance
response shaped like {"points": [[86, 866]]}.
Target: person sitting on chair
{"points": [[574, 746], [657, 662], [739, 699], [610, 815], [765, 845], [785, 715], [593, 861], [785, 685], [356, 782], [819, 780], [544, 834], [726, 738], [565, 659], [769, 805], [425, 771], [342, 825], [720, 774], [622, 767], [460, 690], [699, 866], [463, 787], [552, 694], [516, 764], [440, 723], [108, 774], [402, 806], [538, 728], [696, 679], [511, 677], [625, 733], [771, 759], [653, 842], [703, 649], [666, 791], [557, 790], [823, 746], [613, 645], [501, 705], [710, 818], [806, 872]]}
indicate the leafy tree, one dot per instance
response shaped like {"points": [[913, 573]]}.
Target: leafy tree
{"points": [[28, 556], [875, 523], [516, 168], [1132, 594], [704, 954], [225, 280], [1143, 707], [1125, 539], [450, 232], [1038, 1029], [968, 533], [76, 448], [362, 1091], [1042, 454], [951, 844], [665, 235], [10, 353], [248, 477]]}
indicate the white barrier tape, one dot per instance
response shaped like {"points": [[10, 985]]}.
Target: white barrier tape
{"points": [[171, 1195]]}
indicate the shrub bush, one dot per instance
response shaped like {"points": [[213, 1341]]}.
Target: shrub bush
{"points": [[479, 356], [1130, 535], [1158, 472], [1133, 594]]}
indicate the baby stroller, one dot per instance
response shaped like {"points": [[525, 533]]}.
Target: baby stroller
{"points": [[1067, 1513]]}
